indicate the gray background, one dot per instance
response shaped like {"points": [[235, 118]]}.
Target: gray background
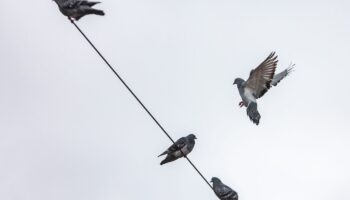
{"points": [[69, 129]]}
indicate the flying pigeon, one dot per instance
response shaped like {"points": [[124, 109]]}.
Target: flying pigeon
{"points": [[182, 147], [76, 9], [258, 83], [223, 191]]}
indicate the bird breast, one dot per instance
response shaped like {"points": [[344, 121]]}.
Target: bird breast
{"points": [[247, 96]]}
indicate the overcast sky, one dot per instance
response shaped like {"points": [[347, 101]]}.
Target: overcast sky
{"points": [[70, 130]]}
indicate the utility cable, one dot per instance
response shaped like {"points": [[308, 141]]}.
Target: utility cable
{"points": [[137, 99]]}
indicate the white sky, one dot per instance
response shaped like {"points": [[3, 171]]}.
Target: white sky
{"points": [[70, 130]]}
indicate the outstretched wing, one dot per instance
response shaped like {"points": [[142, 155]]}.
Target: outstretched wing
{"points": [[261, 77], [278, 77]]}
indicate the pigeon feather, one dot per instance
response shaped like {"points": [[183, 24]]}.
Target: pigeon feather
{"points": [[222, 191], [260, 78], [280, 76], [181, 148]]}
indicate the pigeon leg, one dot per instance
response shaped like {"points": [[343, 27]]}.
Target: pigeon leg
{"points": [[241, 104]]}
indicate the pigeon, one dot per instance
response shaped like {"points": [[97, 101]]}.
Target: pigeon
{"points": [[223, 191], [76, 9], [258, 83], [181, 148]]}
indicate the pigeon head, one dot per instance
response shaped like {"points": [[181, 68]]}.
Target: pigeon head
{"points": [[191, 136], [215, 180], [238, 81]]}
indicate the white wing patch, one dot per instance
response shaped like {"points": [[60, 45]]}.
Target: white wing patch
{"points": [[184, 150], [248, 95]]}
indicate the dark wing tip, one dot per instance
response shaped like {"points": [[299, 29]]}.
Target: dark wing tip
{"points": [[268, 86], [272, 56]]}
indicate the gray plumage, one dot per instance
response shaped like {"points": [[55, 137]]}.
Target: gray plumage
{"points": [[223, 191], [182, 146], [278, 77], [258, 83], [76, 9]]}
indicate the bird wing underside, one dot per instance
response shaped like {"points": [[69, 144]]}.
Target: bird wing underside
{"points": [[278, 77]]}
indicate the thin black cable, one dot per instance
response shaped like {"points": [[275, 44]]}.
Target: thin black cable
{"points": [[138, 100]]}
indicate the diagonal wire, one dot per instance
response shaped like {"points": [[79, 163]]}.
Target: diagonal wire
{"points": [[138, 100]]}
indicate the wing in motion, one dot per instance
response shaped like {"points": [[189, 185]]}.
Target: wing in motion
{"points": [[278, 77], [261, 77]]}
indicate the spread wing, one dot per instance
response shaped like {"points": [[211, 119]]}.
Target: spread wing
{"points": [[278, 77], [260, 78]]}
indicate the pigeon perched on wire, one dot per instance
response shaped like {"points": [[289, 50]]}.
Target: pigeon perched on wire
{"points": [[223, 191], [181, 148], [76, 9], [258, 83]]}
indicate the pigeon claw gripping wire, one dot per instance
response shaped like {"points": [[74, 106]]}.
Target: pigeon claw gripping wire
{"points": [[181, 148], [77, 9]]}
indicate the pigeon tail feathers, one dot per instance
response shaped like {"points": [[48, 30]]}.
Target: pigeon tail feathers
{"points": [[168, 159], [95, 11], [90, 3], [252, 112], [162, 154]]}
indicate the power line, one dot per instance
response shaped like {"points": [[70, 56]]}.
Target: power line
{"points": [[138, 100]]}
